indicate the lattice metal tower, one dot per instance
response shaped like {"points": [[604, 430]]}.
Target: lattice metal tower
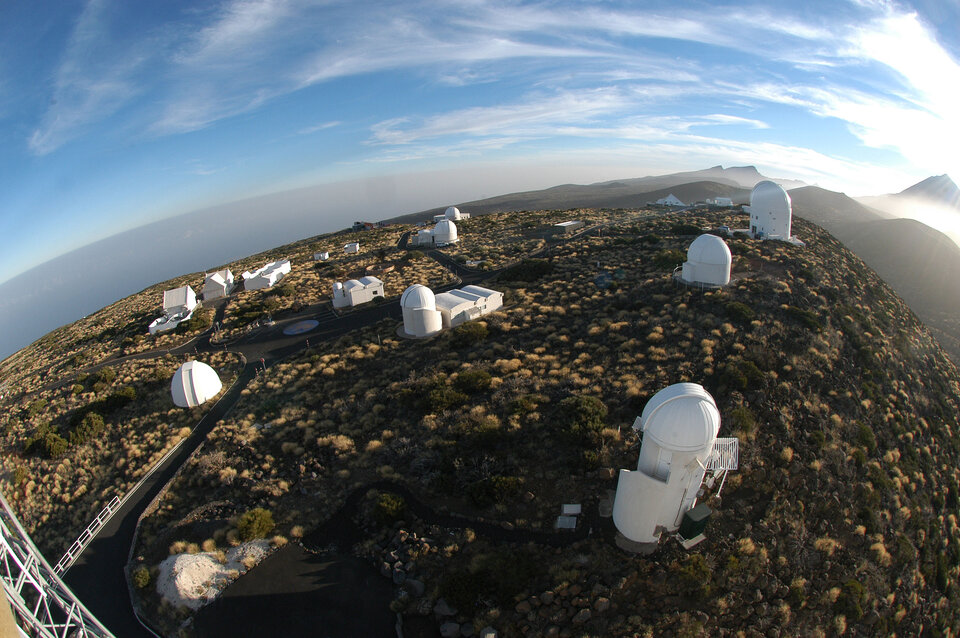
{"points": [[41, 603]]}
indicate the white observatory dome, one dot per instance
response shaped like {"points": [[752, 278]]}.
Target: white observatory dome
{"points": [[420, 315], [453, 213], [194, 383], [418, 296], [445, 232], [681, 418], [770, 210], [709, 249], [708, 261]]}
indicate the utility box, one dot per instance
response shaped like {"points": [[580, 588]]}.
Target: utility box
{"points": [[695, 521]]}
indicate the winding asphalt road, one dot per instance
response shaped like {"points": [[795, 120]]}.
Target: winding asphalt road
{"points": [[97, 577]]}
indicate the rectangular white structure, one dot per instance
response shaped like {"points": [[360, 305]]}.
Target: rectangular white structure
{"points": [[323, 256], [570, 509], [467, 303], [568, 226], [352, 248], [179, 300], [267, 276], [356, 291], [218, 284]]}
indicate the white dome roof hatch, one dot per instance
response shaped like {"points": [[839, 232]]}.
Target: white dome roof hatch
{"points": [[193, 384], [682, 417], [418, 296]]}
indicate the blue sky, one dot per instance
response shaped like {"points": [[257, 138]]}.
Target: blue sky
{"points": [[114, 114]]}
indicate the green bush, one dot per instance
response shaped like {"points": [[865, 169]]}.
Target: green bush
{"points": [[685, 229], [473, 381], [695, 575], [36, 407], [255, 523], [389, 508], [107, 374], [46, 442], [851, 599], [740, 312], [141, 577], [90, 427], [414, 255], [495, 489], [527, 270], [743, 419], [469, 333], [583, 414], [441, 398], [651, 239], [866, 438], [806, 317], [668, 258]]}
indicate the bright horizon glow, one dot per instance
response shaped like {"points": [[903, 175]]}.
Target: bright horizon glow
{"points": [[114, 115]]}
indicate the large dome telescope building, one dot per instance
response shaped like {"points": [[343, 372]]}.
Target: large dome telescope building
{"points": [[679, 426], [771, 211]]}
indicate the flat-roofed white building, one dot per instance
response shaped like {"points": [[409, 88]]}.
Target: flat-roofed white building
{"points": [[178, 306], [352, 248], [217, 284], [356, 291], [266, 276], [723, 202], [322, 256], [467, 303], [567, 227]]}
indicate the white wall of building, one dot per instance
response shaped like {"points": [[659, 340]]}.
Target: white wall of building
{"points": [[771, 211], [708, 261], [356, 291]]}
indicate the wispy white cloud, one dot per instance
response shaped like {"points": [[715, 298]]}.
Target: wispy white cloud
{"points": [[319, 127], [92, 82]]}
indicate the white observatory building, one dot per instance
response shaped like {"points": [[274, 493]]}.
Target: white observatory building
{"points": [[354, 292], [193, 384], [453, 214], [771, 211], [679, 426], [708, 262], [420, 315]]}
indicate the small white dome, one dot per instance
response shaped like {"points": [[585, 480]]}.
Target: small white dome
{"points": [[194, 383], [711, 250], [452, 213], [682, 418], [770, 197], [418, 296]]}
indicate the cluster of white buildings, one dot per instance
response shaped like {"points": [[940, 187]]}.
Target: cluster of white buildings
{"points": [[354, 292], [426, 314], [443, 234], [266, 276], [452, 213], [178, 306]]}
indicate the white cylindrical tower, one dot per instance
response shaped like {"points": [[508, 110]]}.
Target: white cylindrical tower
{"points": [[679, 425], [708, 261], [420, 315], [771, 211], [194, 383]]}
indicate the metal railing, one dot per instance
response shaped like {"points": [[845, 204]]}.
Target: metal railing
{"points": [[41, 603], [86, 536]]}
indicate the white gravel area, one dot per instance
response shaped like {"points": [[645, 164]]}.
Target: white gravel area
{"points": [[193, 580]]}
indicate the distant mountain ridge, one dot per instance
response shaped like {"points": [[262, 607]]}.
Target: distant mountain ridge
{"points": [[939, 189], [690, 186]]}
